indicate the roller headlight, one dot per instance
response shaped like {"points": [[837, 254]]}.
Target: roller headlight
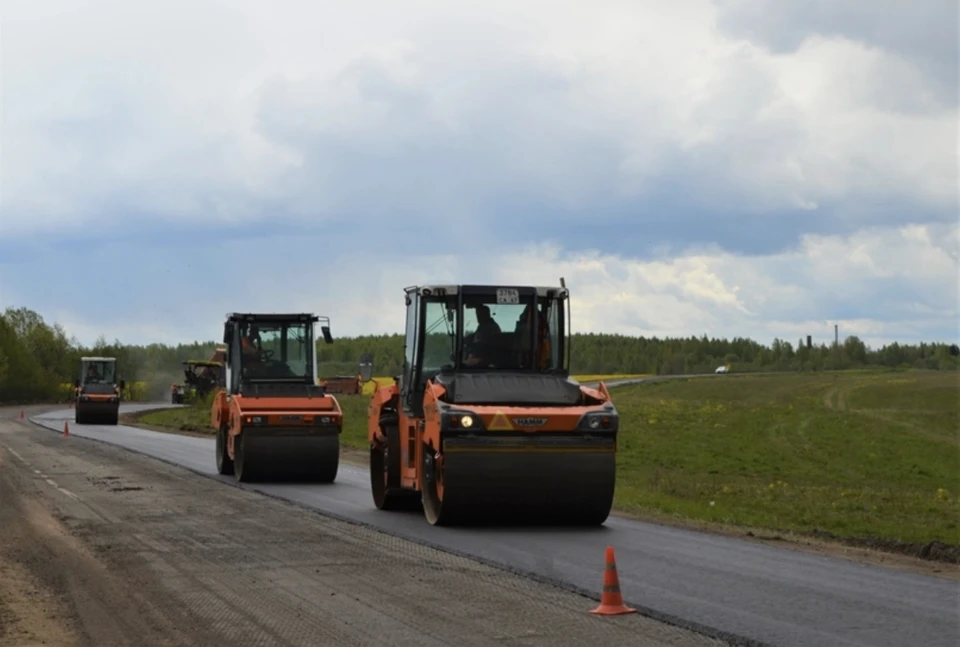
{"points": [[460, 420], [600, 421]]}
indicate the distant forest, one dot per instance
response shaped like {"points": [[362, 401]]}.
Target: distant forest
{"points": [[37, 357]]}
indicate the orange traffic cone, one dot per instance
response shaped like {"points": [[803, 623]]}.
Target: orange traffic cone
{"points": [[611, 602], [66, 428]]}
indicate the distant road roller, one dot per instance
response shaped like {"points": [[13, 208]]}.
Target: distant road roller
{"points": [[97, 392], [273, 421], [485, 424]]}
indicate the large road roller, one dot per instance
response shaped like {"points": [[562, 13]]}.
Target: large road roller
{"points": [[485, 425], [273, 421], [97, 392]]}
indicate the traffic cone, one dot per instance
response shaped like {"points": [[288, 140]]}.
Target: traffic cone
{"points": [[611, 602], [66, 428]]}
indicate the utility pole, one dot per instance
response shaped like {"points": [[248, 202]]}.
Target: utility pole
{"points": [[836, 335]]}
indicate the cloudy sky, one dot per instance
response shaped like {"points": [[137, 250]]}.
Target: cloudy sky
{"points": [[761, 168]]}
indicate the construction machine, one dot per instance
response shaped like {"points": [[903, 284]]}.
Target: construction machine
{"points": [[485, 424], [200, 377], [97, 392], [273, 421]]}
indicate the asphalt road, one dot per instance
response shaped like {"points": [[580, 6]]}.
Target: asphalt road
{"points": [[101, 546], [736, 588]]}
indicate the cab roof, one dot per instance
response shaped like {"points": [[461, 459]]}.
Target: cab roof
{"points": [[488, 289], [272, 316]]}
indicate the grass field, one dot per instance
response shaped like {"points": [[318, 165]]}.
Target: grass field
{"points": [[849, 454], [845, 454]]}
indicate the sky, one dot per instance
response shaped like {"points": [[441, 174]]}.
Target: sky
{"points": [[754, 168]]}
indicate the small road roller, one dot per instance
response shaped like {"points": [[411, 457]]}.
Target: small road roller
{"points": [[273, 421], [97, 392], [485, 425]]}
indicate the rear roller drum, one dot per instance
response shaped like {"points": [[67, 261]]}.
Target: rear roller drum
{"points": [[385, 473], [322, 469], [433, 490], [224, 462], [241, 466]]}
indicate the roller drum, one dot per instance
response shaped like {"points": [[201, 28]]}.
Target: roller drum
{"points": [[287, 454], [97, 413], [533, 479]]}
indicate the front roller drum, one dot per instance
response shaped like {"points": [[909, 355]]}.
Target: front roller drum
{"points": [[278, 456], [97, 413], [521, 485]]}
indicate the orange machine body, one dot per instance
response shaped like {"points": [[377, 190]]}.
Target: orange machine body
{"points": [[286, 415], [418, 434]]}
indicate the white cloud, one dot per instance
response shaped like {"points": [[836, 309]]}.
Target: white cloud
{"points": [[483, 129], [121, 108], [799, 292], [885, 284]]}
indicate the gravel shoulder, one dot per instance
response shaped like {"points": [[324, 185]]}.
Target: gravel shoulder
{"points": [[101, 546]]}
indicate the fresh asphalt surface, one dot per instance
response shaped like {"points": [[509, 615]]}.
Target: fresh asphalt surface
{"points": [[766, 595]]}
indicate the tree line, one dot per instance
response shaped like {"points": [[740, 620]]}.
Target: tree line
{"points": [[37, 358]]}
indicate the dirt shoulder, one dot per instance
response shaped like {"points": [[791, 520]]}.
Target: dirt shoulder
{"points": [[817, 543], [106, 547], [32, 609]]}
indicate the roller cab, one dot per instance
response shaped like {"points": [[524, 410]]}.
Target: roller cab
{"points": [[97, 393], [485, 425], [273, 421]]}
